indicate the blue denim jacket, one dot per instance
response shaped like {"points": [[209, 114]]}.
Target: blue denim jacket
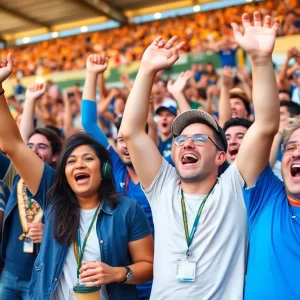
{"points": [[115, 228], [18, 267]]}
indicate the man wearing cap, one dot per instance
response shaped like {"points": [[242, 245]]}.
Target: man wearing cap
{"points": [[200, 220], [165, 116], [240, 104]]}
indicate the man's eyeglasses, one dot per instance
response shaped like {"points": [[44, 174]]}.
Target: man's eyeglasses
{"points": [[198, 139], [290, 147], [39, 146]]}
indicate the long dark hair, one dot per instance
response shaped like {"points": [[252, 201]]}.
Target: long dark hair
{"points": [[65, 213]]}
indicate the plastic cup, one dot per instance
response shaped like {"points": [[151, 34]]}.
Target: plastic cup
{"points": [[86, 293]]}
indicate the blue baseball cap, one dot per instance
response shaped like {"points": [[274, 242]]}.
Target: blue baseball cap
{"points": [[172, 109]]}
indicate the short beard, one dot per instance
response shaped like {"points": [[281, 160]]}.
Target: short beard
{"points": [[127, 164], [199, 176]]}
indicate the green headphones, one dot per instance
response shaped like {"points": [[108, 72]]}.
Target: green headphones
{"points": [[106, 171]]}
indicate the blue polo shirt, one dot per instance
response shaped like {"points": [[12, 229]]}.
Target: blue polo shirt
{"points": [[274, 252], [133, 191], [227, 58]]}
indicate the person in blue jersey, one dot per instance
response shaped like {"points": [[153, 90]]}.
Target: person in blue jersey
{"points": [[94, 240], [165, 115], [127, 182]]}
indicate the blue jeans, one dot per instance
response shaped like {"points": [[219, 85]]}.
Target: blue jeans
{"points": [[12, 287]]}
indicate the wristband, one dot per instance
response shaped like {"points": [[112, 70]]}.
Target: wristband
{"points": [[2, 92]]}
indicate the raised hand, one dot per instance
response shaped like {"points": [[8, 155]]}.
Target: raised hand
{"points": [[257, 40], [227, 77], [178, 86], [161, 54], [6, 67], [35, 91], [96, 63]]}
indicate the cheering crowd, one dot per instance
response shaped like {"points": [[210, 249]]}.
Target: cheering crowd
{"points": [[184, 189], [201, 32]]}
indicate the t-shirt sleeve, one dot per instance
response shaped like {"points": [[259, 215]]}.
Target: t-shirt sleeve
{"points": [[90, 124], [139, 224], [45, 184], [232, 180], [165, 173], [115, 159], [262, 193]]}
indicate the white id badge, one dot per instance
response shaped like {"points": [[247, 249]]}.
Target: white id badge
{"points": [[28, 245], [186, 270]]}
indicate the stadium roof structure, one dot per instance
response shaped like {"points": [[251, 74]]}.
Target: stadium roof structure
{"points": [[28, 18]]}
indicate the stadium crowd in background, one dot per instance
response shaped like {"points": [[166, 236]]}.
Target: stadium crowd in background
{"points": [[201, 31], [210, 158]]}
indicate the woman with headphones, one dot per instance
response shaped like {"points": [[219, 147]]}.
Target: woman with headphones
{"points": [[95, 242]]}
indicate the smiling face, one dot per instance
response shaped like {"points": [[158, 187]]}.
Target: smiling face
{"points": [[39, 144], [164, 121], [195, 163], [238, 109], [290, 166], [83, 171], [234, 137]]}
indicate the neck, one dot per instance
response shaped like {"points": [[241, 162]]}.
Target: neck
{"points": [[201, 187], [88, 202], [132, 175], [293, 201], [164, 137]]}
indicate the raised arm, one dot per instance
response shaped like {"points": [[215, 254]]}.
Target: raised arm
{"points": [[27, 163], [95, 65], [176, 90], [67, 115], [158, 56], [224, 103], [33, 93], [258, 41]]}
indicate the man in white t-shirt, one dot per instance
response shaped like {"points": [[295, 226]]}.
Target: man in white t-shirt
{"points": [[200, 220]]}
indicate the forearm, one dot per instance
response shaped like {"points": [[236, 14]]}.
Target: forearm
{"points": [[182, 102], [224, 106], [89, 122], [27, 120], [89, 90], [247, 89], [103, 89], [265, 96], [104, 104], [142, 272], [9, 134], [274, 150], [137, 105], [68, 120], [284, 68]]}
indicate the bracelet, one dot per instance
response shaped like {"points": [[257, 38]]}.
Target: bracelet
{"points": [[2, 92]]}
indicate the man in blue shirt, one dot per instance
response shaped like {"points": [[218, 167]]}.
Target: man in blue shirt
{"points": [[127, 182], [165, 117]]}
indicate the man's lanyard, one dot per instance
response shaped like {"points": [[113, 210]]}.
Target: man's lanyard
{"points": [[78, 250], [126, 184], [190, 237]]}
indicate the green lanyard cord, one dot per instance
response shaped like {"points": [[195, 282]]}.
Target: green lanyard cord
{"points": [[78, 250], [190, 237]]}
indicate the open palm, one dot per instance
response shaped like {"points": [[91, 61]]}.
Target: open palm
{"points": [[161, 54], [257, 39]]}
